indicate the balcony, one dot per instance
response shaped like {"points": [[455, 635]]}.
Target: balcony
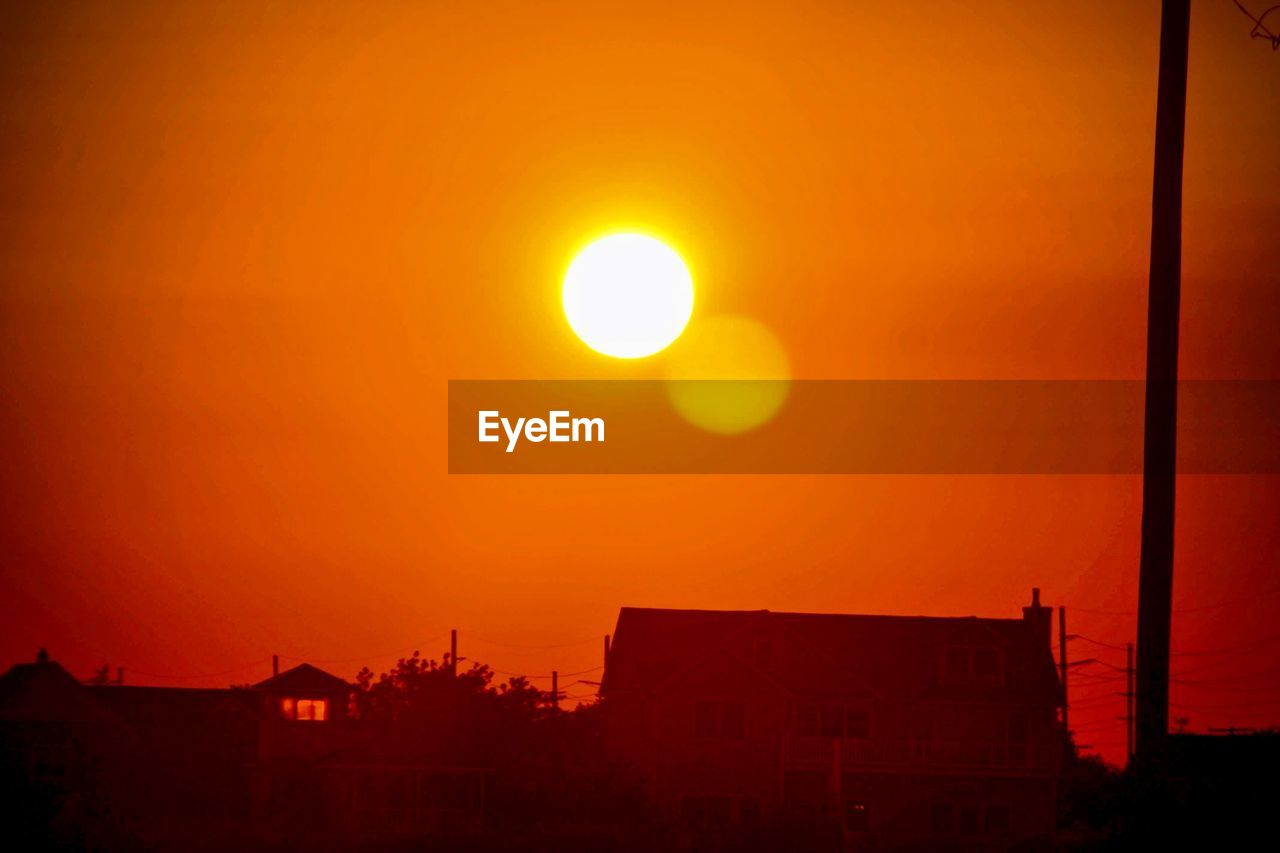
{"points": [[818, 753]]}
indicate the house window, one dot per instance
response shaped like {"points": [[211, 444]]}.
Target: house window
{"points": [[1018, 734], [972, 663], [856, 816], [720, 720], [942, 819], [308, 710], [986, 664]]}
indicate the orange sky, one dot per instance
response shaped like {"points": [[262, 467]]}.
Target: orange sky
{"points": [[243, 248]]}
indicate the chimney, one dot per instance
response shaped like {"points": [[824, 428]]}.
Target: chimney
{"points": [[1038, 618], [275, 663], [42, 656]]}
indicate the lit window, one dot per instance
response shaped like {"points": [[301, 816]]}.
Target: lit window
{"points": [[309, 710]]}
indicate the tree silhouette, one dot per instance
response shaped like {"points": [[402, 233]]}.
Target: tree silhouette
{"points": [[547, 766]]}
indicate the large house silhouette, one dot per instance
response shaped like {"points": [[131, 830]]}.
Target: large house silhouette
{"points": [[899, 730]]}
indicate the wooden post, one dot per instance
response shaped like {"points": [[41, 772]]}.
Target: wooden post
{"points": [[1160, 429]]}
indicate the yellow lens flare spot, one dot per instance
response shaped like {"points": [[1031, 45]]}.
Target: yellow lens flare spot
{"points": [[627, 295], [731, 375]]}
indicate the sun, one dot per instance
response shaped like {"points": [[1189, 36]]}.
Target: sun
{"points": [[627, 295]]}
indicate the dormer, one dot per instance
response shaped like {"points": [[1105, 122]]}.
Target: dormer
{"points": [[305, 695]]}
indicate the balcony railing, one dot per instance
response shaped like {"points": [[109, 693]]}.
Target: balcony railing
{"points": [[819, 752]]}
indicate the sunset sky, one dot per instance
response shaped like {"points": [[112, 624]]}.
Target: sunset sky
{"points": [[244, 247]]}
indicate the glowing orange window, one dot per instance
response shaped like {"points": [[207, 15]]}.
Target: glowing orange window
{"points": [[309, 710]]}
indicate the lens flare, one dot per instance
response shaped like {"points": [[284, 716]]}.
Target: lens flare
{"points": [[730, 374]]}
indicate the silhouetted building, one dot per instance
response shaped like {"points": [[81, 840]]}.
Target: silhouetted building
{"points": [[280, 758], [60, 749], [894, 731]]}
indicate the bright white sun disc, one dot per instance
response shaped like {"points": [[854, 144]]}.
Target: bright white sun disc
{"points": [[627, 295]]}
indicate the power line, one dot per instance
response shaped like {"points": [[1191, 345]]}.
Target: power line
{"points": [[1096, 642], [1260, 30], [1249, 677], [1229, 602], [192, 676], [483, 641], [1251, 644], [1230, 649], [363, 658]]}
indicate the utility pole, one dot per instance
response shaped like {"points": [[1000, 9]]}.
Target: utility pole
{"points": [[1160, 428], [555, 689], [453, 652], [119, 676], [1062, 660]]}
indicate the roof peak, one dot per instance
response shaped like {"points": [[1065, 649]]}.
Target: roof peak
{"points": [[304, 676]]}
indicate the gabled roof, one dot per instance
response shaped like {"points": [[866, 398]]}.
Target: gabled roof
{"points": [[820, 654], [45, 692], [303, 678]]}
